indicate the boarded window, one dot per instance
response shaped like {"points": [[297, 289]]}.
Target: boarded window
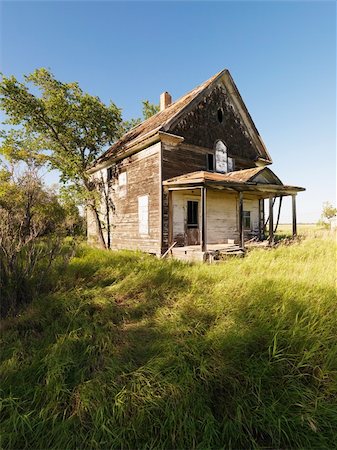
{"points": [[122, 179], [122, 182], [221, 157], [210, 162], [143, 214], [192, 214], [246, 220]]}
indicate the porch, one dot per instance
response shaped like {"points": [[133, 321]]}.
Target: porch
{"points": [[214, 252], [211, 213]]}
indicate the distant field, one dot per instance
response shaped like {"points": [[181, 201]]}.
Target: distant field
{"points": [[301, 228], [132, 352]]}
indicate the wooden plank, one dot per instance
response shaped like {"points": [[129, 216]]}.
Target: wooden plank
{"points": [[279, 213], [203, 239], [293, 197], [261, 218], [271, 220], [242, 244], [170, 217], [168, 250]]}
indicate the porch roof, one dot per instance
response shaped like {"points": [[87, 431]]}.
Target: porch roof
{"points": [[260, 180]]}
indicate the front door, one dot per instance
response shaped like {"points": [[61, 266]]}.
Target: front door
{"points": [[192, 223]]}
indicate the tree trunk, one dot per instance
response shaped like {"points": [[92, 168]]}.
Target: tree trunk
{"points": [[91, 188], [100, 237]]}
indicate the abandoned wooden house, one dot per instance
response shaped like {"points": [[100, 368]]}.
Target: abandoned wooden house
{"points": [[193, 176]]}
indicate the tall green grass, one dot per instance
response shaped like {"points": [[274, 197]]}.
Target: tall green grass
{"points": [[133, 352]]}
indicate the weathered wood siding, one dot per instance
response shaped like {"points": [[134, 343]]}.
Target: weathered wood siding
{"points": [[222, 215], [216, 116], [181, 159], [142, 179], [185, 158]]}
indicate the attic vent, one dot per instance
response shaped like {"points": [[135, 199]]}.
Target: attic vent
{"points": [[220, 115]]}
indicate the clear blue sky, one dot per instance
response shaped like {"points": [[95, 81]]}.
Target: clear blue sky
{"points": [[282, 56]]}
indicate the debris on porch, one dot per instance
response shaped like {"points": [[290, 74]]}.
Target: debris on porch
{"points": [[214, 253]]}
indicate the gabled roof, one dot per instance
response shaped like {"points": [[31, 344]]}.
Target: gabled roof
{"points": [[260, 177], [163, 119]]}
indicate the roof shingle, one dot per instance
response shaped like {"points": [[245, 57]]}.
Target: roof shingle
{"points": [[157, 121]]}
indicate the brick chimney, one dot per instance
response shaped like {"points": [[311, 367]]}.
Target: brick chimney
{"points": [[165, 100]]}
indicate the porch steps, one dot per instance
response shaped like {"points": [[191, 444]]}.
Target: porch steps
{"points": [[229, 251], [193, 253]]}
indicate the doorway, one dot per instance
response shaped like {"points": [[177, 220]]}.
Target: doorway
{"points": [[192, 223]]}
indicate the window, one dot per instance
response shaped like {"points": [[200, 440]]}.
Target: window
{"points": [[246, 220], [109, 173], [230, 164], [192, 214], [143, 214], [210, 162], [220, 115], [221, 157]]}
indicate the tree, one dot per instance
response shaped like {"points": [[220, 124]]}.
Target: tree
{"points": [[32, 225], [149, 109], [59, 123], [328, 211], [327, 214]]}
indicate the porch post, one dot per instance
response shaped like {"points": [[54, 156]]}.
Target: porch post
{"points": [[170, 219], [241, 234], [293, 197], [261, 218], [271, 221], [203, 240]]}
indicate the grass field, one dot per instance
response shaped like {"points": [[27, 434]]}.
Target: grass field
{"points": [[135, 353]]}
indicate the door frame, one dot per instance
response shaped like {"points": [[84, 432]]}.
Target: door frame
{"points": [[191, 198]]}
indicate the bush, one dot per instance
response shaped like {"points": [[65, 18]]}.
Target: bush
{"points": [[31, 234]]}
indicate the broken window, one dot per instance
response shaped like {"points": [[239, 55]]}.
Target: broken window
{"points": [[210, 162], [109, 173], [192, 214], [246, 220]]}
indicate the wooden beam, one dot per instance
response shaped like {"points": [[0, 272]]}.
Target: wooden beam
{"points": [[293, 197], [170, 218], [241, 233], [168, 250], [261, 219], [279, 213], [271, 220], [203, 234]]}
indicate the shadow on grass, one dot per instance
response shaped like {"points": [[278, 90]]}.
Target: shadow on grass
{"points": [[129, 358]]}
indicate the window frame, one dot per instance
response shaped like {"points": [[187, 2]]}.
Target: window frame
{"points": [[192, 214]]}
